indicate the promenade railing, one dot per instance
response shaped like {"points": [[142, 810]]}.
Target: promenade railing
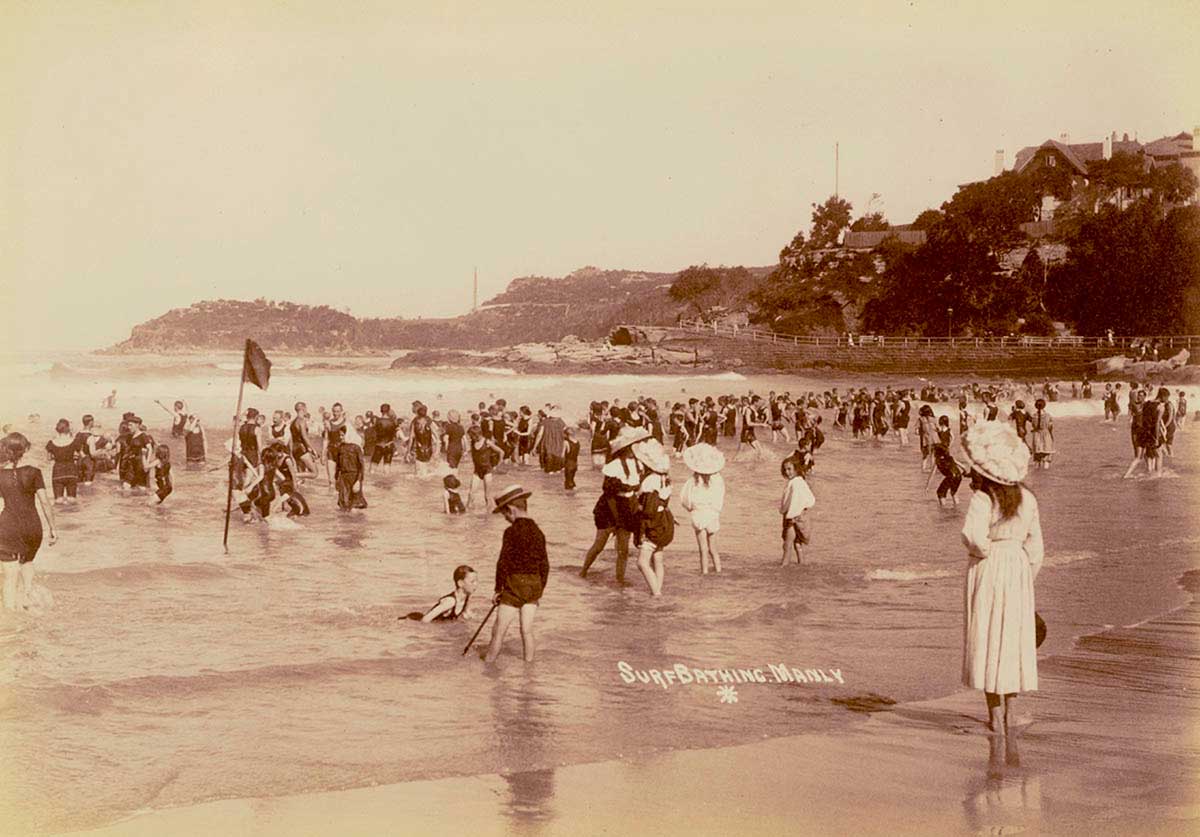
{"points": [[1168, 344]]}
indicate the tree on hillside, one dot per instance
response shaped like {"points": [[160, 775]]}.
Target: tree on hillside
{"points": [[872, 222], [705, 287], [1134, 270], [828, 221], [991, 212], [1172, 184], [926, 219], [791, 255]]}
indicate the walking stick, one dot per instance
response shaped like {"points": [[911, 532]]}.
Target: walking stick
{"points": [[480, 628]]}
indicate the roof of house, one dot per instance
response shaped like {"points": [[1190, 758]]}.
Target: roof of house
{"points": [[1078, 154], [1025, 155], [1171, 146]]}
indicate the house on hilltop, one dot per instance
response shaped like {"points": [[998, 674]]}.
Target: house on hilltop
{"points": [[1078, 160]]}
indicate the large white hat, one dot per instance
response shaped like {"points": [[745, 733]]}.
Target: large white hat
{"points": [[997, 452], [627, 436], [652, 454], [704, 458]]}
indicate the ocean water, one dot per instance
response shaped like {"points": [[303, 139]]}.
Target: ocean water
{"points": [[166, 671]]}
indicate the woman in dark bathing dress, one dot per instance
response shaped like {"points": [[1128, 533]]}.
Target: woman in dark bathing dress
{"points": [[23, 491]]}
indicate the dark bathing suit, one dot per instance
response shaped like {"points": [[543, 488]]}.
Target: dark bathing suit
{"points": [[20, 526], [65, 476], [454, 443]]}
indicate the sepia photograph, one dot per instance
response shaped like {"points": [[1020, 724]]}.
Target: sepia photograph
{"points": [[529, 418]]}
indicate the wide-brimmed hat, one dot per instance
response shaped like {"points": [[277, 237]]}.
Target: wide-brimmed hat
{"points": [[509, 495], [627, 436], [996, 451], [652, 454], [703, 458]]}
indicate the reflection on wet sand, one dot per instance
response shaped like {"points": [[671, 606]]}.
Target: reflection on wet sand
{"points": [[1007, 798], [524, 726]]}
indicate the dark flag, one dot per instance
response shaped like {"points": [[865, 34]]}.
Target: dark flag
{"points": [[256, 368]]}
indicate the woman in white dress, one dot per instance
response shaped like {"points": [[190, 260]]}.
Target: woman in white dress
{"points": [[1003, 536], [704, 496]]}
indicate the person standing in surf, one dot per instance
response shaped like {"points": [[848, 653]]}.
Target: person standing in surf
{"points": [[248, 436], [1003, 535], [351, 465], [194, 442], [616, 510], [452, 439], [926, 437], [793, 506], [703, 496], [335, 429], [522, 571], [1041, 435], [24, 493], [485, 455], [63, 450], [656, 524]]}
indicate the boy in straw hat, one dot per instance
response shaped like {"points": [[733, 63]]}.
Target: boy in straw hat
{"points": [[521, 571], [704, 496]]}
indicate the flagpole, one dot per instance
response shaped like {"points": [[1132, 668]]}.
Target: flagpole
{"points": [[233, 447]]}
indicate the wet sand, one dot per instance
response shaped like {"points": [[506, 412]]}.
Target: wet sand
{"points": [[1092, 761]]}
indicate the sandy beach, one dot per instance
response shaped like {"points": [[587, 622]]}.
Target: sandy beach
{"points": [[1090, 762]]}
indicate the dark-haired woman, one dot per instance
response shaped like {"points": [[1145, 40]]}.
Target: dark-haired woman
{"points": [[65, 476], [23, 491], [1003, 535]]}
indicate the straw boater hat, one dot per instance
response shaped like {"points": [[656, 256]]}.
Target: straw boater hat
{"points": [[997, 452], [703, 458], [653, 456], [627, 436], [509, 495]]}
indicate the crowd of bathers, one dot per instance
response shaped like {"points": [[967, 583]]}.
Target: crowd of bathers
{"points": [[630, 442]]}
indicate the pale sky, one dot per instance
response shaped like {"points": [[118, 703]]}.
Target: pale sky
{"points": [[369, 155]]}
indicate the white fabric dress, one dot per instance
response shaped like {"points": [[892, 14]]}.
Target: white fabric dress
{"points": [[704, 502], [999, 643]]}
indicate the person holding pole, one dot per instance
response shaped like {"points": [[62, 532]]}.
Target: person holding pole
{"points": [[256, 369], [521, 571]]}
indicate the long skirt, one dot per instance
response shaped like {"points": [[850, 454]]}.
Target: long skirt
{"points": [[999, 636]]}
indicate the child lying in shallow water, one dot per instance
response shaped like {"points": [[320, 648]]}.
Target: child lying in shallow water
{"points": [[454, 604]]}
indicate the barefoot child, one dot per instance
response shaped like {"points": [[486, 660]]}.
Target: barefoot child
{"points": [[797, 499], [951, 470], [521, 572], [656, 527], [704, 496]]}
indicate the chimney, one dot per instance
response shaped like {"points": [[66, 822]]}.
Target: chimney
{"points": [[1125, 138], [1195, 138], [1064, 138], [1108, 147], [999, 161], [1114, 136]]}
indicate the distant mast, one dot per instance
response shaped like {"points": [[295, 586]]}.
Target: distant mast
{"points": [[836, 169], [475, 293]]}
